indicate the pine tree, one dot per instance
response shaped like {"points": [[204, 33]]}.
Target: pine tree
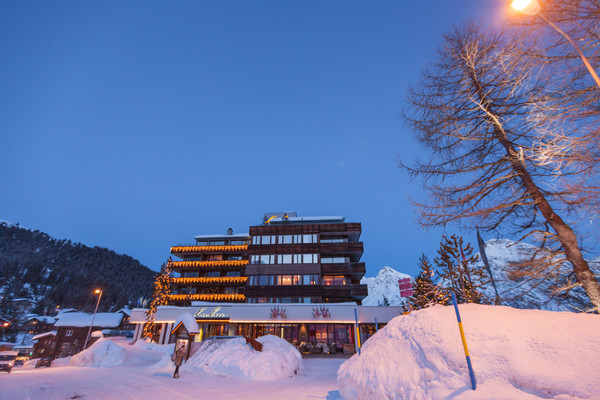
{"points": [[455, 260], [160, 297], [425, 291], [386, 302]]}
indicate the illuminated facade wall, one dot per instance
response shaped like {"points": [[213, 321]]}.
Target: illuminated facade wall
{"points": [[305, 260], [212, 270]]}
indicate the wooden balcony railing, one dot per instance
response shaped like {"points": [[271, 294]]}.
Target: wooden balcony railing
{"points": [[213, 263], [206, 297], [216, 280], [198, 249]]}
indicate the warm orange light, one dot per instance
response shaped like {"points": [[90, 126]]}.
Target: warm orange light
{"points": [[217, 279], [189, 249], [211, 263], [97, 291], [207, 297], [528, 7]]}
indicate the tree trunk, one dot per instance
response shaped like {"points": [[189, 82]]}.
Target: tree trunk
{"points": [[563, 231]]}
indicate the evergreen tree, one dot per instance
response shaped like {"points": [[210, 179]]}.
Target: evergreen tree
{"points": [[455, 260], [160, 297], [386, 302], [425, 291]]}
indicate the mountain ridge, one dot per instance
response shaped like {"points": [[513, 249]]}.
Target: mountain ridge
{"points": [[55, 272]]}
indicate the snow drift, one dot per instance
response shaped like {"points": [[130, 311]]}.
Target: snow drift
{"points": [[103, 353], [233, 357], [516, 354]]}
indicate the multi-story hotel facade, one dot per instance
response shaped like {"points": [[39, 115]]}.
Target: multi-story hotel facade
{"points": [[305, 260], [211, 270], [299, 278]]}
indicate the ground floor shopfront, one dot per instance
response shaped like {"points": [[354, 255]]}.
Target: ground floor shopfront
{"points": [[342, 327]]}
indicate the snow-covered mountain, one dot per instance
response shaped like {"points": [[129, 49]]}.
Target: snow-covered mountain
{"points": [[523, 293], [384, 287], [526, 293]]}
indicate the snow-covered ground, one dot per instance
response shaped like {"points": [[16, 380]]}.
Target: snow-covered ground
{"points": [[517, 354], [142, 374]]}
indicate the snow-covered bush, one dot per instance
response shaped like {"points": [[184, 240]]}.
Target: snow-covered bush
{"points": [[103, 353], [233, 357]]}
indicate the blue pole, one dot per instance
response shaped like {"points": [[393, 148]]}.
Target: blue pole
{"points": [[462, 336], [376, 325]]}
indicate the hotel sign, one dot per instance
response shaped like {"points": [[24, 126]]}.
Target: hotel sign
{"points": [[211, 313]]}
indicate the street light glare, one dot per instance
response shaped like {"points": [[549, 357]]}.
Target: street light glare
{"points": [[528, 7], [97, 291]]}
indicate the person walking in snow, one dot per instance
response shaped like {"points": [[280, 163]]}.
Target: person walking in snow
{"points": [[177, 359]]}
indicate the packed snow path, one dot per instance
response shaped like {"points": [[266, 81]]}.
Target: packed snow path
{"points": [[134, 380]]}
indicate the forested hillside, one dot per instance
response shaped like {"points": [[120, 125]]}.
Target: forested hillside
{"points": [[61, 273]]}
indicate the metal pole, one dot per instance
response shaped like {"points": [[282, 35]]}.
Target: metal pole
{"points": [[357, 330], [87, 338], [464, 341], [583, 58]]}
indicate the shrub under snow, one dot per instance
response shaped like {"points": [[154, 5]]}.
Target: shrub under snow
{"points": [[233, 357], [103, 353], [516, 354]]}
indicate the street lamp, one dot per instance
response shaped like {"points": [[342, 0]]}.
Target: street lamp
{"points": [[532, 7], [87, 338]]}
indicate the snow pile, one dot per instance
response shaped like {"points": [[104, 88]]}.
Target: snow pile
{"points": [[103, 353], [233, 357], [384, 287], [151, 346], [516, 354], [189, 323]]}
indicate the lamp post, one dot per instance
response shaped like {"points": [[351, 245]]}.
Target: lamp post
{"points": [[87, 338], [532, 7]]}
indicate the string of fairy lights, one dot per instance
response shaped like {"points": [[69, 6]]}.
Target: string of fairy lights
{"points": [[211, 263], [218, 279], [190, 249]]}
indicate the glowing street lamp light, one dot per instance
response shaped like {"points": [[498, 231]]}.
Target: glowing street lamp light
{"points": [[87, 338], [532, 7]]}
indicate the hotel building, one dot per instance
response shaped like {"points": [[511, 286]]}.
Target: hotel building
{"points": [[211, 270], [305, 260], [299, 278]]}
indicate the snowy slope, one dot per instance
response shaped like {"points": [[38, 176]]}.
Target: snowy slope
{"points": [[384, 286], [516, 354]]}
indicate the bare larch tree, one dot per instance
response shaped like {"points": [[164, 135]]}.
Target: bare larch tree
{"points": [[484, 111]]}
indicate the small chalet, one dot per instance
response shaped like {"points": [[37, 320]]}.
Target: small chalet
{"points": [[72, 330], [126, 324], [44, 344], [38, 324]]}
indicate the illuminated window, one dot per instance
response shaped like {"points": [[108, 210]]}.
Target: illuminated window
{"points": [[286, 280]]}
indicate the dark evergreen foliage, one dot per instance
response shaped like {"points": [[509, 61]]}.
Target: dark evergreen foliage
{"points": [[455, 262], [425, 291], [60, 273]]}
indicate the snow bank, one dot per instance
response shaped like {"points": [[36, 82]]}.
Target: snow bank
{"points": [[233, 357], [151, 346], [516, 354], [103, 353]]}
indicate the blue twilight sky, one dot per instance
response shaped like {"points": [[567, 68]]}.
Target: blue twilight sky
{"points": [[135, 125]]}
